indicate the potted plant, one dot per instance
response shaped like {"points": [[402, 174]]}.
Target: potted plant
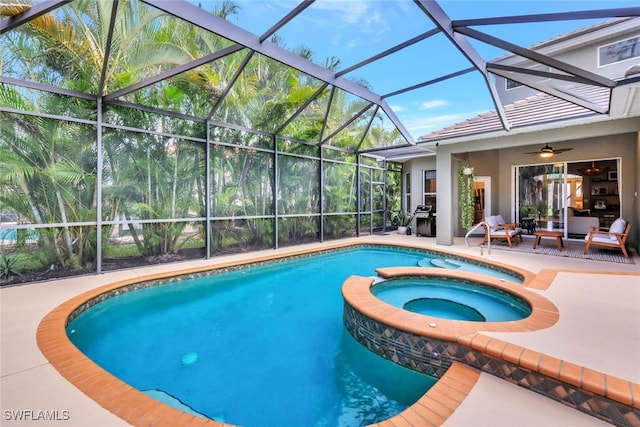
{"points": [[466, 201], [402, 220]]}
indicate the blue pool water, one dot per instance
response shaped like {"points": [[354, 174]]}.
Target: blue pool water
{"points": [[255, 347], [10, 235], [452, 299], [445, 308]]}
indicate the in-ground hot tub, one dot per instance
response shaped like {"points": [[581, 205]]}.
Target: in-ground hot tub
{"points": [[452, 298], [424, 318]]}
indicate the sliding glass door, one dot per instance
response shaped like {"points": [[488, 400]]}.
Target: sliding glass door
{"points": [[541, 192], [602, 194], [571, 197]]}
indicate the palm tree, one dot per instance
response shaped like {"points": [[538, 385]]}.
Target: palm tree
{"points": [[48, 176], [49, 167], [50, 171]]}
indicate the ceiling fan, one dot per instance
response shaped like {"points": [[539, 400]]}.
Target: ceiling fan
{"points": [[547, 151], [593, 170]]}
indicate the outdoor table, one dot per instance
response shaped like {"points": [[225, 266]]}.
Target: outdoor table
{"points": [[548, 233]]}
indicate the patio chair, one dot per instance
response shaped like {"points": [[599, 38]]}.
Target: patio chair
{"points": [[497, 228], [614, 238]]}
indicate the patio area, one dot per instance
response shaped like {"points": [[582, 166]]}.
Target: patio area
{"points": [[599, 305]]}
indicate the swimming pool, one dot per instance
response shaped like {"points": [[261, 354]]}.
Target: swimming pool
{"points": [[268, 342], [10, 235]]}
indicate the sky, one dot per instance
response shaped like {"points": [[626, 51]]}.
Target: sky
{"points": [[354, 30]]}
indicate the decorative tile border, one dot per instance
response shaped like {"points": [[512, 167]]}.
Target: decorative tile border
{"points": [[432, 345], [422, 354], [175, 277]]}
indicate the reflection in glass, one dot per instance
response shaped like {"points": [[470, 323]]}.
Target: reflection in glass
{"points": [[542, 194]]}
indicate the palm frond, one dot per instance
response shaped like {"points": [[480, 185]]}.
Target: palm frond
{"points": [[66, 173]]}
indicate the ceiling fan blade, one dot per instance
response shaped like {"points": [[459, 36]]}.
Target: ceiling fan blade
{"points": [[546, 148]]}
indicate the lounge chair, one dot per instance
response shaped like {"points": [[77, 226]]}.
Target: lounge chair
{"points": [[614, 238], [497, 228]]}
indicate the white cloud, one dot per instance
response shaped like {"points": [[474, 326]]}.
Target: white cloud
{"points": [[419, 125], [350, 12], [428, 105], [342, 16]]}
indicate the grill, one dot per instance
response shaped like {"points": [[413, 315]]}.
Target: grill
{"points": [[423, 210], [425, 221]]}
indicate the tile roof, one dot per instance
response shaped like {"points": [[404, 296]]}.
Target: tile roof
{"points": [[533, 110], [537, 109]]}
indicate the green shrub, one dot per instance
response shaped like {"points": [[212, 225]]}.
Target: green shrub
{"points": [[9, 266]]}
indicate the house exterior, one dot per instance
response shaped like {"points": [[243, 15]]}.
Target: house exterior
{"points": [[582, 123]]}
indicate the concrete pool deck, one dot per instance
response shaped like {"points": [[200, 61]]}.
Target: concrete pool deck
{"points": [[599, 305]]}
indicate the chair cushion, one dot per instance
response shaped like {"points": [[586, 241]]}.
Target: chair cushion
{"points": [[500, 219], [603, 238], [618, 227], [502, 232], [492, 221]]}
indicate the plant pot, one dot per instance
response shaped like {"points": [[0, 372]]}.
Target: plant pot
{"points": [[402, 230]]}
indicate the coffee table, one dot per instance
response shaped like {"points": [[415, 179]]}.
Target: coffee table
{"points": [[549, 233]]}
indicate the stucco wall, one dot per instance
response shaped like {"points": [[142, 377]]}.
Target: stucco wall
{"points": [[484, 163], [489, 160], [606, 147]]}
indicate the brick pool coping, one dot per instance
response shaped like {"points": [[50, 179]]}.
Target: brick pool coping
{"points": [[137, 408]]}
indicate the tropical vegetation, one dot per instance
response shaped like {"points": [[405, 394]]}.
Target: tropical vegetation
{"points": [[85, 178], [466, 198], [401, 218]]}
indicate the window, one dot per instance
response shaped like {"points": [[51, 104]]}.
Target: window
{"points": [[429, 189], [619, 51], [407, 191], [511, 84]]}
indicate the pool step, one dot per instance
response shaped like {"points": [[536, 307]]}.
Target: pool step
{"points": [[170, 400], [440, 263]]}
